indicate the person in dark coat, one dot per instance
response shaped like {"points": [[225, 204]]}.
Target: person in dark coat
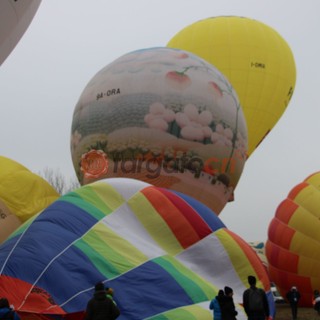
{"points": [[101, 307], [228, 309], [255, 312], [6, 312], [293, 297]]}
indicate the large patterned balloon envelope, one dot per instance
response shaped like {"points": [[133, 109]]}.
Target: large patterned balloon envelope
{"points": [[163, 116], [164, 254], [293, 246], [254, 57]]}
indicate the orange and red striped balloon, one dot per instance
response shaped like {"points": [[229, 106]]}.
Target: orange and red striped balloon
{"points": [[293, 246]]}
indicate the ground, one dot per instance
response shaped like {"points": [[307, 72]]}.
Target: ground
{"points": [[284, 313]]}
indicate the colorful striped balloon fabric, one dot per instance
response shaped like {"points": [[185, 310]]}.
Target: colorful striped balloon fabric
{"points": [[163, 253]]}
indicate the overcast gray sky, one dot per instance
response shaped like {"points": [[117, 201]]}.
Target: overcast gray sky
{"points": [[68, 42]]}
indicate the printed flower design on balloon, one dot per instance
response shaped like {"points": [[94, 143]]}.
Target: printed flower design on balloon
{"points": [[159, 117], [213, 87], [181, 55], [178, 79], [194, 125], [222, 136], [241, 146]]}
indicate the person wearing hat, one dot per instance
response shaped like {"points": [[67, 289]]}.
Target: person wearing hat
{"points": [[101, 307], [293, 296], [228, 309], [255, 301]]}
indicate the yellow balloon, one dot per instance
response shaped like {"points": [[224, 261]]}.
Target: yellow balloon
{"points": [[8, 222], [256, 60], [23, 192]]}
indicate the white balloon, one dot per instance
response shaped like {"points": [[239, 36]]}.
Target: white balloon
{"points": [[15, 18]]}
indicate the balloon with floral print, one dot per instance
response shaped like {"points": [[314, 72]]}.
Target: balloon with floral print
{"points": [[163, 116]]}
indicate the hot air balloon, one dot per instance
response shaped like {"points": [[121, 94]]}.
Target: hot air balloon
{"points": [[254, 57], [165, 117], [293, 246], [15, 18], [22, 195], [259, 248], [164, 254]]}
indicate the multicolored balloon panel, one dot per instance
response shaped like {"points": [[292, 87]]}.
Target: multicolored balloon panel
{"points": [[256, 60], [293, 246], [22, 195], [164, 253], [163, 116]]}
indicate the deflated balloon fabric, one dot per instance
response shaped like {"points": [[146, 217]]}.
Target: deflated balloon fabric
{"points": [[165, 254]]}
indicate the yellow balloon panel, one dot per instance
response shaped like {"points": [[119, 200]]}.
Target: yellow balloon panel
{"points": [[305, 246], [8, 166], [257, 61], [8, 222], [23, 192], [314, 180], [305, 222], [308, 198], [308, 266]]}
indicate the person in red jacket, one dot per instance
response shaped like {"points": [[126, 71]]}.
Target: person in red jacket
{"points": [[101, 307]]}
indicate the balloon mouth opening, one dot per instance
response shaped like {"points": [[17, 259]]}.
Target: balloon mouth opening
{"points": [[28, 297]]}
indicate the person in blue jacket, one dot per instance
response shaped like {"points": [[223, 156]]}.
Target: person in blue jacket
{"points": [[6, 312], [215, 305]]}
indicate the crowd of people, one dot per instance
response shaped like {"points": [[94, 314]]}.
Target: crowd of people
{"points": [[254, 300], [255, 304], [223, 306]]}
